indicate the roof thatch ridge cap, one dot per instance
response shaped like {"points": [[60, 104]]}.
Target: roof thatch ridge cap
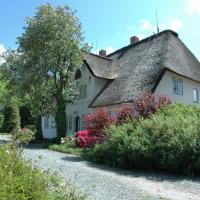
{"points": [[109, 59], [151, 37]]}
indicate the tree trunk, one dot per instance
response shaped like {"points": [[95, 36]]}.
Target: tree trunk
{"points": [[38, 124], [60, 118]]}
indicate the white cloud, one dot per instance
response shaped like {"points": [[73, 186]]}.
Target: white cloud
{"points": [[2, 49], [193, 6], [141, 36], [176, 25], [109, 50], [146, 25]]}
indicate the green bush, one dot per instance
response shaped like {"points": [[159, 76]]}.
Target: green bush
{"points": [[11, 120], [168, 140], [67, 146], [1, 121], [20, 180], [24, 136]]}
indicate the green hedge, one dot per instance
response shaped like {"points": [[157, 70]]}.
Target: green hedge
{"points": [[169, 140]]}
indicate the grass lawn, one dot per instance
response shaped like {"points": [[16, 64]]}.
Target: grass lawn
{"points": [[66, 148]]}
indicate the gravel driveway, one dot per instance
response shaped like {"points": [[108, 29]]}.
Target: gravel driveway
{"points": [[104, 183]]}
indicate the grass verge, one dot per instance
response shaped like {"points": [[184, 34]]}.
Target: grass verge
{"points": [[22, 181]]}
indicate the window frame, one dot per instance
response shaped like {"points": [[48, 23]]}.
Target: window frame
{"points": [[177, 86], [46, 122], [83, 91], [195, 92]]}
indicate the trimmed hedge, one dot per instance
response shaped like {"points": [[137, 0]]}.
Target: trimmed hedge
{"points": [[169, 140]]}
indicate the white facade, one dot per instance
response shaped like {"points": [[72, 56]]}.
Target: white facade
{"points": [[90, 86], [188, 94], [177, 87]]}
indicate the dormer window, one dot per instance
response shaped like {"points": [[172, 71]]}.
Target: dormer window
{"points": [[77, 74]]}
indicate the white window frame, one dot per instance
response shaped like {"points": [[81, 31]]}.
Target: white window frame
{"points": [[195, 95], [46, 122], [178, 86], [53, 123]]}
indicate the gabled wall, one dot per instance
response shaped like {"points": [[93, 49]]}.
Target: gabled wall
{"points": [[80, 107], [166, 87]]}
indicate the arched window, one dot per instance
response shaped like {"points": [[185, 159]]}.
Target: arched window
{"points": [[77, 74]]}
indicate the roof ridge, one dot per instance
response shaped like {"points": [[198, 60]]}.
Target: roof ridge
{"points": [[151, 37], [109, 59]]}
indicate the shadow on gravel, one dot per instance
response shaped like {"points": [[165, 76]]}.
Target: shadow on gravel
{"points": [[150, 175]]}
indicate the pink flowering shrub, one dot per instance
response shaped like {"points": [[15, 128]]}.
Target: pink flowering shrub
{"points": [[98, 121], [124, 113], [86, 139], [148, 103]]}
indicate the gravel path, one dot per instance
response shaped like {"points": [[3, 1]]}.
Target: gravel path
{"points": [[104, 183]]}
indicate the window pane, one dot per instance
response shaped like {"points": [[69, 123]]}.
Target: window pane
{"points": [[70, 122], [195, 95]]}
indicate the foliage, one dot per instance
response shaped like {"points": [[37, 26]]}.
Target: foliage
{"points": [[11, 120], [67, 145], [60, 118], [98, 121], [49, 51], [26, 117], [86, 139], [1, 120], [148, 103], [24, 135], [38, 127], [125, 113], [169, 140], [19, 180]]}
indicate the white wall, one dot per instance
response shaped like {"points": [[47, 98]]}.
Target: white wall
{"points": [[166, 87], [80, 106]]}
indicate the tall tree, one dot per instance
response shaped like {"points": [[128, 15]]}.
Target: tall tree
{"points": [[49, 51]]}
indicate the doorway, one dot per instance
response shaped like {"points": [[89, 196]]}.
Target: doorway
{"points": [[77, 124]]}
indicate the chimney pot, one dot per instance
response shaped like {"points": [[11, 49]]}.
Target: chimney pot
{"points": [[134, 40], [102, 53]]}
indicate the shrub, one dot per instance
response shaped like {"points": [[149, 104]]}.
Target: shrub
{"points": [[86, 139], [24, 135], [124, 113], [20, 180], [148, 103], [11, 120], [169, 140], [67, 145], [98, 121]]}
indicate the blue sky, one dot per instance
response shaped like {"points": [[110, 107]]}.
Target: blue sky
{"points": [[108, 24]]}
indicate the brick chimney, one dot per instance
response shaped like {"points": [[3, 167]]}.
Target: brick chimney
{"points": [[134, 40], [102, 53]]}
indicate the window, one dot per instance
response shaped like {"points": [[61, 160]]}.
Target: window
{"points": [[53, 124], [195, 95], [90, 78], [83, 92], [178, 86], [70, 123], [77, 74], [46, 122]]}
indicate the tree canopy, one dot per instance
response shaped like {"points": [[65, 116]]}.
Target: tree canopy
{"points": [[49, 51]]}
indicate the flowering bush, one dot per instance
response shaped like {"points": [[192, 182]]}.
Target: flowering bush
{"points": [[124, 113], [98, 121], [148, 103], [24, 135], [86, 139]]}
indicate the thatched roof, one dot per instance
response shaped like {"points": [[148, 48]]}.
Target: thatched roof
{"points": [[101, 67], [138, 67]]}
